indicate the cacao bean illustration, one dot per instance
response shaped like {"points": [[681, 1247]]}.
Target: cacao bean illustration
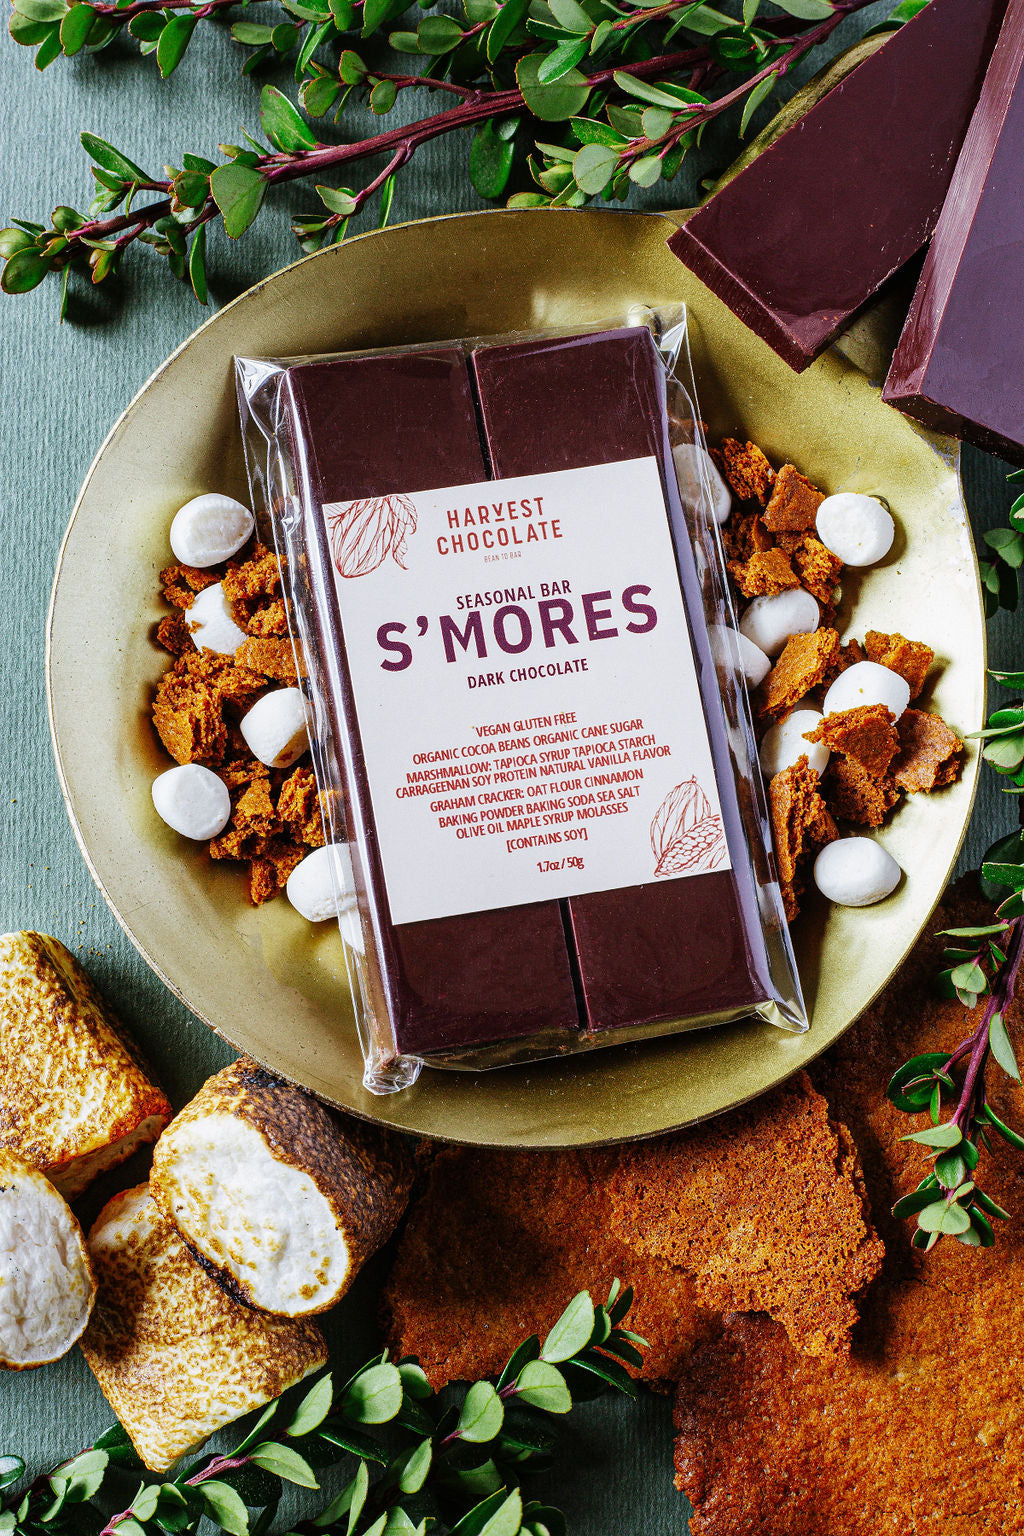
{"points": [[685, 834], [363, 533]]}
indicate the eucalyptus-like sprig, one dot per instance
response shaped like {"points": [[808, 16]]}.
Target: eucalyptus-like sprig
{"points": [[451, 1464], [612, 93], [978, 962]]}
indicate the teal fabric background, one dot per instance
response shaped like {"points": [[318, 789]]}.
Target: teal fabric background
{"points": [[63, 386]]}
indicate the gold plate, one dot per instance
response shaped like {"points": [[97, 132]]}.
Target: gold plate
{"points": [[267, 981]]}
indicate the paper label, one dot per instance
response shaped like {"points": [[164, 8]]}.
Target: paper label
{"points": [[525, 688]]}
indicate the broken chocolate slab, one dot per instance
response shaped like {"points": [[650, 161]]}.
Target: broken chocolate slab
{"points": [[370, 427], [803, 237], [681, 947], [957, 367]]}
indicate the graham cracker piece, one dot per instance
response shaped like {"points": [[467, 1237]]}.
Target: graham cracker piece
{"points": [[253, 592], [910, 658], [801, 823], [851, 793], [867, 734], [269, 871], [794, 502], [920, 1433], [298, 805], [747, 470], [271, 656], [819, 570], [174, 635], [930, 755], [180, 583], [764, 574], [803, 666], [765, 1207], [188, 711], [497, 1243]]}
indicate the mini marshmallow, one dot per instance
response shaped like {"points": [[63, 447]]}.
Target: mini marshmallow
{"points": [[866, 682], [856, 528], [771, 621], [856, 872], [192, 800], [784, 744], [210, 528], [323, 885], [275, 729], [211, 624], [690, 460], [731, 649]]}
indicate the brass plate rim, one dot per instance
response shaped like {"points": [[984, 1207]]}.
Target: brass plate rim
{"points": [[378, 1108]]}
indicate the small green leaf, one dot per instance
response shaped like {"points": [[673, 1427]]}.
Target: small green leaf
{"points": [[948, 1135], [506, 1507], [490, 161], [561, 60], [75, 28], [950, 1169], [283, 1462], [645, 171], [438, 34], [174, 39], [988, 1114], [989, 1205], [283, 124], [593, 166], [910, 1204], [238, 190], [807, 10], [1002, 1047], [24, 271], [383, 96], [417, 1466], [313, 1409], [968, 977], [12, 1470], [762, 90], [571, 1333], [224, 1506], [571, 15], [944, 1218], [375, 1395], [41, 10], [351, 68], [551, 103], [543, 1386], [351, 1499], [1004, 874], [509, 18], [144, 1504], [111, 159], [12, 241], [482, 1414]]}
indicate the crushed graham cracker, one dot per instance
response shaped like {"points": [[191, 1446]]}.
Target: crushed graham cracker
{"points": [[497, 1243], [271, 656], [819, 570], [747, 470], [851, 794], [920, 1433], [930, 754], [794, 502], [805, 664], [867, 734], [910, 658], [766, 573], [174, 635], [802, 823], [180, 583], [765, 1207]]}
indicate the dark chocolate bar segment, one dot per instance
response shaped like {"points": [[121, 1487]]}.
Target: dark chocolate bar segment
{"points": [[958, 366], [373, 426], [687, 946], [803, 237]]}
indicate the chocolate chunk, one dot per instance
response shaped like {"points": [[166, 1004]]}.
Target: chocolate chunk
{"points": [[373, 426], [808, 232], [691, 945], [957, 366]]}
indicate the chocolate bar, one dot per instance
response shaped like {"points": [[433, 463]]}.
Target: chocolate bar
{"points": [[802, 238], [682, 946], [371, 426], [957, 367]]}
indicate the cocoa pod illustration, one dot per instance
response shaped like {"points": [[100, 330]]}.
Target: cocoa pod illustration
{"points": [[685, 833], [365, 532]]}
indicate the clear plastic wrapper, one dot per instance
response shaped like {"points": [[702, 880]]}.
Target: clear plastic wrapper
{"points": [[529, 722]]}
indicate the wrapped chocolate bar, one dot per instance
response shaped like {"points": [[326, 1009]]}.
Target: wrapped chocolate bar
{"points": [[502, 567]]}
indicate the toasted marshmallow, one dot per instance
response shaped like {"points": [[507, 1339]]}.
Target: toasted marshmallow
{"points": [[209, 529], [192, 800], [784, 744], [275, 729], [771, 621], [692, 464], [867, 682], [323, 885], [856, 872], [211, 623], [856, 528], [46, 1284]]}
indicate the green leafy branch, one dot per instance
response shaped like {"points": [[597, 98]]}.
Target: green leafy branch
{"points": [[443, 1464], [979, 962]]}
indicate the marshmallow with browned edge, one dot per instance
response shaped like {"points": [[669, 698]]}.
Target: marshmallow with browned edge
{"points": [[46, 1284]]}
